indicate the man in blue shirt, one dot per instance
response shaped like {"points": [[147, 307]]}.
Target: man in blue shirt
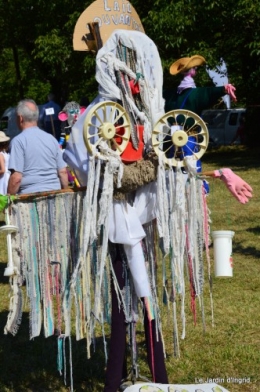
{"points": [[36, 162], [49, 117]]}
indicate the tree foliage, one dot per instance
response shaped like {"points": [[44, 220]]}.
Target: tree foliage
{"points": [[37, 54]]}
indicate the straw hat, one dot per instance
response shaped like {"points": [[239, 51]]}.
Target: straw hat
{"points": [[3, 137], [186, 63]]}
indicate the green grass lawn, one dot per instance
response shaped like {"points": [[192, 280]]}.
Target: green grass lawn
{"points": [[227, 353]]}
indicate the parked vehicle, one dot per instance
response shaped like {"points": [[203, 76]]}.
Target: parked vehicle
{"points": [[222, 124], [8, 122]]}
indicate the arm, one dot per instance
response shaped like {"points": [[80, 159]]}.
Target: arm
{"points": [[14, 183], [63, 176], [206, 97], [2, 164]]}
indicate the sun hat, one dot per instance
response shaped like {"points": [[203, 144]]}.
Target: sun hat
{"points": [[186, 63], [3, 137]]}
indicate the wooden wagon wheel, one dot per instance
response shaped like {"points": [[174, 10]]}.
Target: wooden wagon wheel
{"points": [[106, 122], [179, 133]]}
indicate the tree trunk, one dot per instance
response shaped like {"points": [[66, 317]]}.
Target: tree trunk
{"points": [[18, 73]]}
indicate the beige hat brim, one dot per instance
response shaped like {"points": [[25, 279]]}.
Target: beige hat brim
{"points": [[3, 137], [186, 63]]}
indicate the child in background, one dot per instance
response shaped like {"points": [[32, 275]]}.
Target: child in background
{"points": [[4, 160]]}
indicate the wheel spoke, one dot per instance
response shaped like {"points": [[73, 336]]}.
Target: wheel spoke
{"points": [[203, 133], [98, 141], [97, 116], [105, 112], [197, 156], [112, 113], [90, 124], [165, 121], [188, 149], [118, 146], [122, 136], [161, 133], [167, 149], [92, 135], [156, 144], [203, 146], [122, 126], [118, 117], [161, 142], [166, 141], [184, 125], [195, 143]]}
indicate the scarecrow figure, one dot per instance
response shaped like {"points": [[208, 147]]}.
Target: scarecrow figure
{"points": [[129, 72], [190, 97]]}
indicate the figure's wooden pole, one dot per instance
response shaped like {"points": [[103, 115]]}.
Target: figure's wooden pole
{"points": [[207, 174], [52, 126], [36, 195]]}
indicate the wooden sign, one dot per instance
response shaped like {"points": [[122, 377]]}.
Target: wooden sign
{"points": [[107, 16]]}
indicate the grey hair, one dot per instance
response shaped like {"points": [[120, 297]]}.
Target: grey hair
{"points": [[26, 111]]}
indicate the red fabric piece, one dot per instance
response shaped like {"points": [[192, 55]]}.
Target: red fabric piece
{"points": [[134, 86]]}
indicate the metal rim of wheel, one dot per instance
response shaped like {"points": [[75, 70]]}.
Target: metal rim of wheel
{"points": [[106, 121], [178, 129]]}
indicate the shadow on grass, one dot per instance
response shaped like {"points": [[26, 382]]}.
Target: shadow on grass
{"points": [[31, 365], [249, 250], [3, 279], [235, 157], [254, 230], [246, 251]]}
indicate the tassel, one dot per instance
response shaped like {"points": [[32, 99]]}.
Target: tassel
{"points": [[61, 359], [60, 354]]}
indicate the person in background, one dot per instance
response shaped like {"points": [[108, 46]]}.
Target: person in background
{"points": [[50, 122], [4, 159], [36, 162], [240, 133], [190, 97]]}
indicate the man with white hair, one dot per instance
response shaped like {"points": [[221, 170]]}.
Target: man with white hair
{"points": [[36, 162]]}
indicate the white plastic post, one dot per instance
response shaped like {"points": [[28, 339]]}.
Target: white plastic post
{"points": [[222, 244], [10, 269]]}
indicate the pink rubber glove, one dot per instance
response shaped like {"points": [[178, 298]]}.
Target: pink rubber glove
{"points": [[238, 187], [230, 90]]}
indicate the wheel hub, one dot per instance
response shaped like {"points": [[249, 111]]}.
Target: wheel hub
{"points": [[179, 138], [107, 130]]}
